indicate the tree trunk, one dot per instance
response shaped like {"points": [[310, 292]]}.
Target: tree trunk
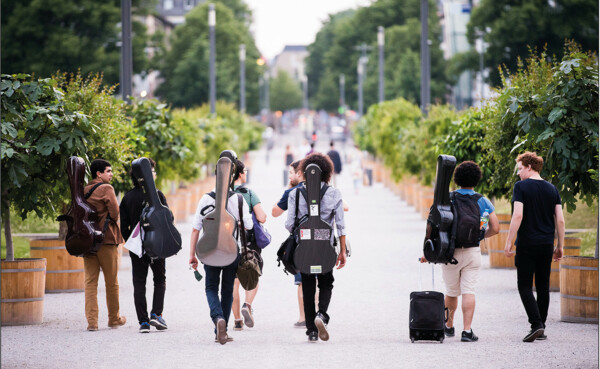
{"points": [[10, 252], [597, 229], [63, 227]]}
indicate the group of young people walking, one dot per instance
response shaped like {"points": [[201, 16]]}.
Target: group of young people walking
{"points": [[537, 217]]}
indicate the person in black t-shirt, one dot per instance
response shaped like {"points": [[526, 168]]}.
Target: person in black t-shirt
{"points": [[537, 213], [334, 155]]}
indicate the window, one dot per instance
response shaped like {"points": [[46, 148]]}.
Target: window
{"points": [[167, 4]]}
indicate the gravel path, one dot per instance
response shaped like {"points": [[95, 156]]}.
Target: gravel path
{"points": [[369, 308]]}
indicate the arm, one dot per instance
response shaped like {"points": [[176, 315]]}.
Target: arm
{"points": [[515, 223], [494, 226], [193, 240], [559, 220], [125, 223], [341, 259], [260, 213], [276, 211]]}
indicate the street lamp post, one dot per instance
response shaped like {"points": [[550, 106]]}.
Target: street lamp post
{"points": [[425, 63], [380, 43], [305, 93], [267, 98], [126, 53], [212, 21], [243, 78], [342, 90], [361, 72]]}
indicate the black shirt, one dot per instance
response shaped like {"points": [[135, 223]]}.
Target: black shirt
{"points": [[131, 207], [539, 200], [337, 161]]}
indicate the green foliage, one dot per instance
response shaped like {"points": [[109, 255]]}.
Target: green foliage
{"points": [[185, 66], [552, 109], [20, 245], [284, 92], [513, 27], [44, 36]]}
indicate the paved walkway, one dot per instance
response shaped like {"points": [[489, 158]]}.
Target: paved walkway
{"points": [[369, 308]]}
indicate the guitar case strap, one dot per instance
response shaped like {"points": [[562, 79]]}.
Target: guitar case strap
{"points": [[87, 196]]}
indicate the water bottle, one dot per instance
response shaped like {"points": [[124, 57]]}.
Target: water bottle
{"points": [[483, 224]]}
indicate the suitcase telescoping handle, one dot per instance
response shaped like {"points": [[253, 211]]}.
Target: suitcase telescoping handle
{"points": [[421, 276]]}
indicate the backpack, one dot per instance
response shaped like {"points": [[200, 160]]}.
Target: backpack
{"points": [[466, 227]]}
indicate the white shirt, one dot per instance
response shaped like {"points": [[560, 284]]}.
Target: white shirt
{"points": [[232, 208]]}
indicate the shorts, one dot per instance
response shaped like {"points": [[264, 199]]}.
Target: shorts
{"points": [[462, 277], [298, 279]]}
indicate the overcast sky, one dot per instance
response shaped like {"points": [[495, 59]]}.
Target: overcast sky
{"points": [[277, 23]]}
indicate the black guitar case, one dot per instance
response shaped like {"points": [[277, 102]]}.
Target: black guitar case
{"points": [[84, 234], [217, 246], [438, 246], [161, 238], [315, 254]]}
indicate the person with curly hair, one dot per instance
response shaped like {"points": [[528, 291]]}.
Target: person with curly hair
{"points": [[536, 216], [461, 278], [331, 209]]}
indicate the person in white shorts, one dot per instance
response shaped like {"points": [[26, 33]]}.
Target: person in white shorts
{"points": [[460, 279]]}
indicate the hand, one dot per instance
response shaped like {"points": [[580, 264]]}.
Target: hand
{"points": [[193, 262], [558, 253], [341, 260], [507, 251], [422, 259]]}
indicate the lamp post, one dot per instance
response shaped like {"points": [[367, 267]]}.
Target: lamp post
{"points": [[242, 78], [126, 53], [342, 90], [305, 93], [212, 22], [380, 43], [360, 69], [267, 98], [425, 64]]}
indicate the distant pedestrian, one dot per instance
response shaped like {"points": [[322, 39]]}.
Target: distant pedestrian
{"points": [[289, 155], [537, 215], [334, 155], [312, 149], [356, 168], [131, 209]]}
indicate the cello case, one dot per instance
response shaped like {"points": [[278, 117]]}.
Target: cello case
{"points": [[84, 235], [161, 238], [315, 254], [217, 246], [438, 246]]}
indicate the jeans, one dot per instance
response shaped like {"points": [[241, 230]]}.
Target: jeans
{"points": [[139, 270], [309, 286], [226, 277], [530, 261]]}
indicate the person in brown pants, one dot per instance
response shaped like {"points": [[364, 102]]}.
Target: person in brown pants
{"points": [[103, 198]]}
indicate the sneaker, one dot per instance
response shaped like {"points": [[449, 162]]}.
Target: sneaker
{"points": [[247, 314], [449, 332], [543, 337], [468, 336], [122, 320], [322, 327], [145, 327], [301, 324], [238, 325], [533, 335], [313, 337], [229, 339], [221, 331], [158, 322], [92, 328]]}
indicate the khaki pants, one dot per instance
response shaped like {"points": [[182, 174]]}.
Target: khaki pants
{"points": [[107, 259]]}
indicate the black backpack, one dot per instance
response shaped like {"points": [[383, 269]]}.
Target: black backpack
{"points": [[466, 227]]}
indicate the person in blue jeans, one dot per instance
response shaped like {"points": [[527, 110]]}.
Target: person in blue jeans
{"points": [[220, 308]]}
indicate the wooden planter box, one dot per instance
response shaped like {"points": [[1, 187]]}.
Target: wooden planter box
{"points": [[64, 272], [23, 283], [579, 289], [496, 245]]}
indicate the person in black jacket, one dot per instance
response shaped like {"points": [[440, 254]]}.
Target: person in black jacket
{"points": [[131, 210], [334, 155]]}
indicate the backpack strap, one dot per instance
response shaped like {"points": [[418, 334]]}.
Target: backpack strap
{"points": [[452, 245], [89, 193], [296, 220], [242, 230]]}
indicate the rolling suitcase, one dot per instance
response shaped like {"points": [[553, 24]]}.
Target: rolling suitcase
{"points": [[427, 314]]}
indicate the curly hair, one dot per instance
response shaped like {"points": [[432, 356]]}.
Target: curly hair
{"points": [[322, 161], [531, 158], [467, 174]]}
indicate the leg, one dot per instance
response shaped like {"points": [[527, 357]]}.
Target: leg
{"points": [[525, 263], [468, 309], [229, 273], [542, 280], [325, 288], [108, 255], [250, 295], [236, 300], [451, 304], [160, 286], [309, 286], [91, 267], [213, 278], [139, 270]]}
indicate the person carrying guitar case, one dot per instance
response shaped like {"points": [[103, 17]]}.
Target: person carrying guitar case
{"points": [[131, 211], [219, 276], [329, 209], [103, 198]]}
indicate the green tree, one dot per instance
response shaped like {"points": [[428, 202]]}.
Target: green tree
{"points": [[185, 67], [44, 36], [284, 92], [513, 27]]}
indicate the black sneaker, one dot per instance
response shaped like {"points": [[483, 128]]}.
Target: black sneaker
{"points": [[144, 327], [449, 332], [158, 322], [313, 337], [468, 336], [533, 335], [322, 327], [238, 325], [543, 337]]}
